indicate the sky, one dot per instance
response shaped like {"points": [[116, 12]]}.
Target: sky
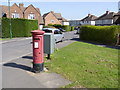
{"points": [[73, 10]]}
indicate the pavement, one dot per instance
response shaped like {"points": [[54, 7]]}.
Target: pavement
{"points": [[17, 73]]}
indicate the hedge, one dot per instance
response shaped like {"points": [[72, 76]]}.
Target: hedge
{"points": [[101, 34], [48, 27], [19, 27], [65, 27]]}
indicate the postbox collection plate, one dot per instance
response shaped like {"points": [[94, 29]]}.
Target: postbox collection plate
{"points": [[36, 45]]}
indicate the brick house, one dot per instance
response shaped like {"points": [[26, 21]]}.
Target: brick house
{"points": [[20, 11], [53, 18], [105, 19]]}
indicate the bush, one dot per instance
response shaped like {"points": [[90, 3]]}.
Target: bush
{"points": [[58, 26], [19, 27], [48, 27], [65, 27], [101, 34], [72, 28]]}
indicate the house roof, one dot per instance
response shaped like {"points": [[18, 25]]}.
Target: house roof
{"points": [[4, 8], [107, 15], [89, 18], [117, 21], [57, 15], [65, 20], [45, 15], [117, 14], [37, 9]]}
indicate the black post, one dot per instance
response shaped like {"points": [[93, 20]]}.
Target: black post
{"points": [[48, 56]]}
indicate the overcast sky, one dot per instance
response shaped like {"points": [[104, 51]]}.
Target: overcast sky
{"points": [[72, 10]]}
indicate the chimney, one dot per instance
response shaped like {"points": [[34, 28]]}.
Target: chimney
{"points": [[107, 12], [89, 15], [21, 5], [52, 11]]}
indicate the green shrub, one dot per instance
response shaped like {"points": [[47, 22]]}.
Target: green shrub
{"points": [[19, 27], [101, 34], [72, 28], [50, 24], [65, 27], [48, 27], [58, 25]]}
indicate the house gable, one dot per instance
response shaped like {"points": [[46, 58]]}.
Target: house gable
{"points": [[89, 18], [15, 9], [107, 15], [50, 18], [32, 10], [105, 19]]}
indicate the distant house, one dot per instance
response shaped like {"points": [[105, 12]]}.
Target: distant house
{"points": [[74, 22], [105, 19], [20, 11], [119, 6], [88, 20], [65, 22], [116, 19], [54, 18]]}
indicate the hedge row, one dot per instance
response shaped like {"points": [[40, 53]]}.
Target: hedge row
{"points": [[65, 27], [101, 34], [19, 27]]}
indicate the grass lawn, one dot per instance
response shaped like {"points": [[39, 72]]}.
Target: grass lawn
{"points": [[86, 65], [4, 38]]}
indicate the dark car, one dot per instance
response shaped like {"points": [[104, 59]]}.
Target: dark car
{"points": [[62, 30]]}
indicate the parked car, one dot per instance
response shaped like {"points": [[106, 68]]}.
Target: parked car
{"points": [[57, 33], [78, 30]]}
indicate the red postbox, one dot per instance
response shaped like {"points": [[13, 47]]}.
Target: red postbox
{"points": [[38, 53]]}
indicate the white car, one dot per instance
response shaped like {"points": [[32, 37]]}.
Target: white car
{"points": [[57, 33]]}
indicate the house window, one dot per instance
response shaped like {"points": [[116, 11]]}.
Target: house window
{"points": [[15, 15], [52, 21], [31, 16]]}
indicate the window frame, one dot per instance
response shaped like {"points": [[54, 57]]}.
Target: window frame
{"points": [[15, 15], [31, 16]]}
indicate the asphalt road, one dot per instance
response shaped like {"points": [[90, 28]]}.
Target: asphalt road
{"points": [[15, 49], [18, 48]]}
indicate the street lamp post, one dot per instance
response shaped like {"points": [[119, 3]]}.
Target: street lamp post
{"points": [[10, 20]]}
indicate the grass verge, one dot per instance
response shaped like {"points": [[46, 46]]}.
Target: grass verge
{"points": [[86, 65]]}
